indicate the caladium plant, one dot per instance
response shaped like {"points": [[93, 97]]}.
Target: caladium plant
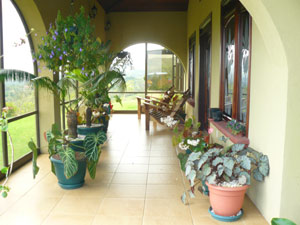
{"points": [[229, 167]]}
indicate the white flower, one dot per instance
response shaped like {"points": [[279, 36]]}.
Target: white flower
{"points": [[169, 121], [182, 146], [106, 105], [193, 142], [194, 133], [96, 114]]}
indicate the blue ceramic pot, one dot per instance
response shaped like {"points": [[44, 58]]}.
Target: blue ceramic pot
{"points": [[77, 145], [105, 122], [76, 181], [89, 130]]}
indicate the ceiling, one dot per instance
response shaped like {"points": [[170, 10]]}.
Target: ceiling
{"points": [[143, 5]]}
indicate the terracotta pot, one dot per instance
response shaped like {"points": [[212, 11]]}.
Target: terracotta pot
{"points": [[72, 124], [226, 201]]}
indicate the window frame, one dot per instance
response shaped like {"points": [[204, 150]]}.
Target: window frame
{"points": [[228, 10], [191, 72], [27, 157]]}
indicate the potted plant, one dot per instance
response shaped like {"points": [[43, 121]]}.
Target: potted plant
{"points": [[227, 173], [68, 165], [282, 221], [95, 86], [70, 45], [236, 127]]}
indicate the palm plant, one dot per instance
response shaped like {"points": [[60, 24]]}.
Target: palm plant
{"points": [[96, 85], [61, 89]]}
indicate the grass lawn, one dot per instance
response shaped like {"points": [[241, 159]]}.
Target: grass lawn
{"points": [[21, 132]]}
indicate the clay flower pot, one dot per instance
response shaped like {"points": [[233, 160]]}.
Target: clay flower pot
{"points": [[226, 201]]}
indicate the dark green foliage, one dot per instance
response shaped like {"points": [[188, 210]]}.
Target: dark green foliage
{"points": [[282, 221]]}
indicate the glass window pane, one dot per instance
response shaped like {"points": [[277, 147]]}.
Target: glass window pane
{"points": [[21, 132], [19, 97], [229, 65], [135, 74], [160, 68], [17, 55], [129, 101], [244, 68]]}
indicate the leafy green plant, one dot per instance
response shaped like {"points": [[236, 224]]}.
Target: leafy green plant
{"points": [[226, 167], [59, 146], [4, 189], [236, 127], [282, 221], [189, 140]]}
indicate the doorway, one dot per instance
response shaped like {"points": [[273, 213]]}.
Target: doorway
{"points": [[204, 73]]}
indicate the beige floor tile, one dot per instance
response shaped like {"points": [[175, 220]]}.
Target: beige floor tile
{"points": [[121, 207], [164, 169], [98, 191], [81, 205], [199, 208], [253, 219], [166, 208], [13, 218], [69, 219], [101, 178], [165, 178], [171, 160], [132, 152], [34, 204], [48, 187], [130, 178], [135, 160], [162, 153], [126, 191], [164, 191], [107, 167], [117, 220], [154, 220], [124, 168]]}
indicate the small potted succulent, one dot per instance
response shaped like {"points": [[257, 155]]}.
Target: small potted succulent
{"points": [[236, 127], [227, 173]]}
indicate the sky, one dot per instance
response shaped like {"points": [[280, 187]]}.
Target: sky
{"points": [[15, 57], [137, 53]]}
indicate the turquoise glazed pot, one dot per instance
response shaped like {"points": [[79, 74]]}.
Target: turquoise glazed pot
{"points": [[74, 182], [77, 145], [89, 130]]}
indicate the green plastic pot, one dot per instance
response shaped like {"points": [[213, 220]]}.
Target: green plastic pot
{"points": [[75, 181]]}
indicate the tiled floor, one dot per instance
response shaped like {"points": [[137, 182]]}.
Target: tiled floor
{"points": [[138, 182]]}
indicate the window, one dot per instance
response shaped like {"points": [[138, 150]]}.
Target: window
{"points": [[234, 100], [154, 69], [19, 97], [192, 52]]}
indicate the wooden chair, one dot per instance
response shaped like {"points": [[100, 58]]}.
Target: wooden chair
{"points": [[167, 97], [156, 112]]}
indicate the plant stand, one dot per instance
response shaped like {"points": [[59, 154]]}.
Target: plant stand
{"points": [[226, 218]]}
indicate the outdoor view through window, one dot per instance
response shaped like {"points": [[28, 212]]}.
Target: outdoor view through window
{"points": [[164, 69], [19, 96]]}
